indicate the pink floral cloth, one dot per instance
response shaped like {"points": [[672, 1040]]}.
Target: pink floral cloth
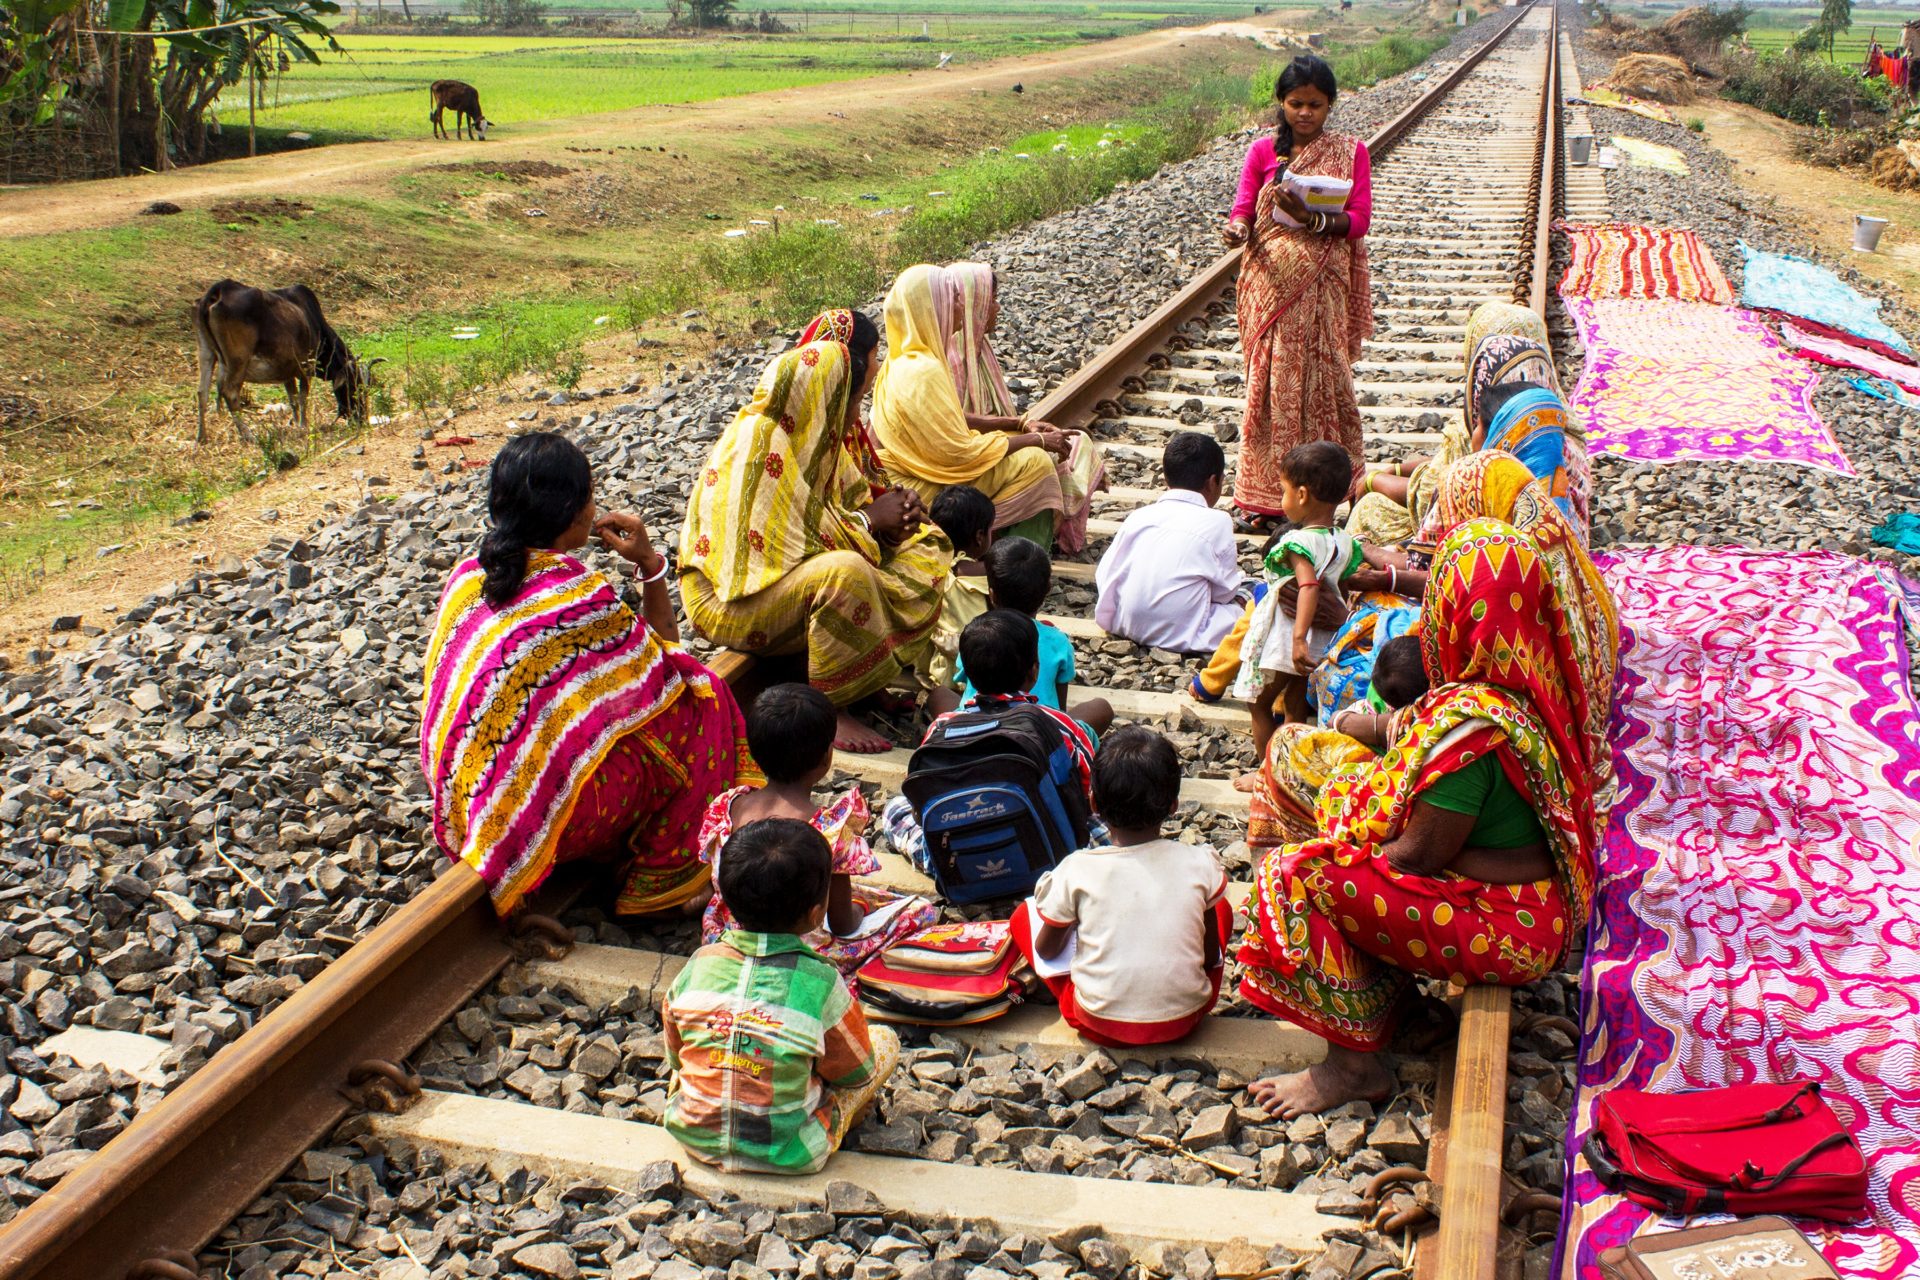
{"points": [[1758, 910], [1667, 381], [844, 823]]}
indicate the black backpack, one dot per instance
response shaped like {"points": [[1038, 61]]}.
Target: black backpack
{"points": [[998, 800]]}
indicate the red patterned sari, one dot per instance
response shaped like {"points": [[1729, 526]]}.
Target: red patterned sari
{"points": [[1337, 931], [1305, 307]]}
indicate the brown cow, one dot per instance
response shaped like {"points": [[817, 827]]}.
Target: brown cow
{"points": [[463, 100], [258, 335]]}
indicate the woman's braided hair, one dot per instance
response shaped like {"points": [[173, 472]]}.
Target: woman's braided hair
{"points": [[539, 484]]}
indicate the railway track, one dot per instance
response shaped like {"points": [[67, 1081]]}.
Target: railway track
{"points": [[1466, 184]]}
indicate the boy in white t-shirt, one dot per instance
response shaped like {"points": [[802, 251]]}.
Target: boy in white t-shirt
{"points": [[1131, 938]]}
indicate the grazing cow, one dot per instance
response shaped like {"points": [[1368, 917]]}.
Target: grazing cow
{"points": [[463, 100], [259, 335]]}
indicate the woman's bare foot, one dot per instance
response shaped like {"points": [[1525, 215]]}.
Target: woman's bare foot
{"points": [[1247, 782], [851, 735], [1346, 1076]]}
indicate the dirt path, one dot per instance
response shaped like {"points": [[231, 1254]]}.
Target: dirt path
{"points": [[107, 202], [1760, 147], [382, 461]]}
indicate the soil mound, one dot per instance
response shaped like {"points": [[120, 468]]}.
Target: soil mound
{"points": [[507, 168], [258, 210]]}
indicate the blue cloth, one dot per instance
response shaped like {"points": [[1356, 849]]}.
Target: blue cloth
{"points": [[1783, 282], [1345, 674], [1533, 428], [1881, 389], [1901, 532], [1056, 668]]}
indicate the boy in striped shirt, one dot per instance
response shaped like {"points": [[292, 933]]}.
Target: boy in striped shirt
{"points": [[773, 1061]]}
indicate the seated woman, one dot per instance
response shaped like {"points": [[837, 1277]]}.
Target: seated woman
{"points": [[1465, 852], [1396, 498], [556, 725], [944, 416], [787, 550], [1483, 486], [989, 404]]}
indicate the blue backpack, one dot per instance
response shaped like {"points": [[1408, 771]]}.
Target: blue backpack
{"points": [[998, 801]]}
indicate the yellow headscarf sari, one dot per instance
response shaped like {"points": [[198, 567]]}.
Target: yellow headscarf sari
{"points": [[917, 414], [780, 486]]}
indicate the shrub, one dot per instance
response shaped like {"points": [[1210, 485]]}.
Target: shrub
{"points": [[1803, 89]]}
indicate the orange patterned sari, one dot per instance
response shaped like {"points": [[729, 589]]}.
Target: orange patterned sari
{"points": [[1305, 307]]}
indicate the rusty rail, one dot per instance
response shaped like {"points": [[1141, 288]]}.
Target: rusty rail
{"points": [[187, 1166]]}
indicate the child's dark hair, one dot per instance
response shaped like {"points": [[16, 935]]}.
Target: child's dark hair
{"points": [[1019, 573], [773, 873], [1489, 403], [1303, 70], [964, 514], [1191, 459], [1136, 779], [537, 488], [866, 336], [790, 731], [1398, 674], [1000, 649], [1323, 467]]}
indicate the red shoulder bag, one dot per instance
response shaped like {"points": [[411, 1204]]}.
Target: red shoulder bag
{"points": [[1745, 1149]]}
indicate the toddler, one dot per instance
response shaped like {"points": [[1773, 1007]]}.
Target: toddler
{"points": [[1131, 938], [773, 1062], [790, 733], [1399, 680], [1303, 607]]}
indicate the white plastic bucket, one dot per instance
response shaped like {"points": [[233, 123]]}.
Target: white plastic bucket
{"points": [[1866, 233], [1581, 145]]}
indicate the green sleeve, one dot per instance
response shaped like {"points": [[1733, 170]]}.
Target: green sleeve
{"points": [[1277, 562], [1464, 790], [1355, 561]]}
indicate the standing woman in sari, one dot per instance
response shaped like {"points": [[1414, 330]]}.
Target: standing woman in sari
{"points": [[1304, 301], [557, 726], [930, 434], [786, 548]]}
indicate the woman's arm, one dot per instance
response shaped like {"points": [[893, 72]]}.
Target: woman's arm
{"points": [[626, 534], [990, 422], [1430, 842], [1254, 174], [1359, 213]]}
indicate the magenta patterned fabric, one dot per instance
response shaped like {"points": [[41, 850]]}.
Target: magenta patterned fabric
{"points": [[1758, 916], [1667, 381]]}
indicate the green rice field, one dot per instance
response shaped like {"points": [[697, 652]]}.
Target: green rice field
{"points": [[1775, 27], [377, 88]]}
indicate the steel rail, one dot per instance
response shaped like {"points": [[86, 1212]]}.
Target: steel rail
{"points": [[164, 1187], [1466, 1152]]}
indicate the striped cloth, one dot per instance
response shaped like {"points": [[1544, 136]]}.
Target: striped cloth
{"points": [[523, 703], [1626, 260]]}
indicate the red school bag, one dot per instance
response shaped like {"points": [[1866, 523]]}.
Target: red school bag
{"points": [[1744, 1149]]}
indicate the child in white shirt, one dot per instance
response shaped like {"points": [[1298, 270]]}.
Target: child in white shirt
{"points": [[1171, 577], [1140, 925]]}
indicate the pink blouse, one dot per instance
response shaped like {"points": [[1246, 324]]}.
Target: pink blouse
{"points": [[1263, 163]]}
